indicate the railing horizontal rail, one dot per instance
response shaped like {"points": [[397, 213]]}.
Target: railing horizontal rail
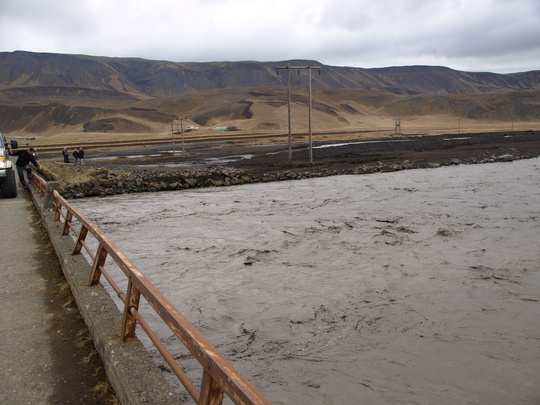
{"points": [[219, 375]]}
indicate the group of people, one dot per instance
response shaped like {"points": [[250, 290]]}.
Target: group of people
{"points": [[27, 157], [78, 155]]}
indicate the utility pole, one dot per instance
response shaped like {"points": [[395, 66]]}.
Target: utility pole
{"points": [[172, 134], [182, 132], [289, 105], [310, 108]]}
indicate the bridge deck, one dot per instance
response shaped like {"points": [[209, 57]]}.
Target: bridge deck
{"points": [[39, 356]]}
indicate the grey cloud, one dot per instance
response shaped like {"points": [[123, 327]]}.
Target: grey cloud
{"points": [[461, 34]]}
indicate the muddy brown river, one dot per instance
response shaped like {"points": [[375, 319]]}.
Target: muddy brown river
{"points": [[413, 287]]}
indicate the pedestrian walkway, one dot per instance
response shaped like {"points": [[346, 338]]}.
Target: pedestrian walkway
{"points": [[40, 361]]}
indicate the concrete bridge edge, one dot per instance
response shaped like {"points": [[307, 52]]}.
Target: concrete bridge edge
{"points": [[134, 376]]}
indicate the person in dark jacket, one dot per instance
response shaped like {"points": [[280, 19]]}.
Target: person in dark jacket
{"points": [[81, 156], [76, 156], [25, 157], [65, 154]]}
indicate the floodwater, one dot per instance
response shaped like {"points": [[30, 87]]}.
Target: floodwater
{"points": [[413, 287]]}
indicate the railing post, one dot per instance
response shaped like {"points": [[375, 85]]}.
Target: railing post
{"points": [[211, 393], [35, 183], [57, 210], [133, 297], [69, 216], [99, 262], [80, 240]]}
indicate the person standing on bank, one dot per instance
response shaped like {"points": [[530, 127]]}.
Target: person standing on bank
{"points": [[76, 156], [81, 156], [25, 157], [65, 154]]}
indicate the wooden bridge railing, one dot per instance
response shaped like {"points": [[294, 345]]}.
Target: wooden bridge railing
{"points": [[219, 376]]}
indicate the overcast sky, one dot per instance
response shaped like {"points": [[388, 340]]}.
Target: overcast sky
{"points": [[472, 35]]}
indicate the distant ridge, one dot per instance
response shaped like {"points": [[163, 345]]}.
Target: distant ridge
{"points": [[141, 78]]}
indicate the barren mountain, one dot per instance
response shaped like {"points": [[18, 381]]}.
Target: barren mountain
{"points": [[51, 93]]}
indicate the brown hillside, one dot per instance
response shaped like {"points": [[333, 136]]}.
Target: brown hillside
{"points": [[103, 98], [265, 109]]}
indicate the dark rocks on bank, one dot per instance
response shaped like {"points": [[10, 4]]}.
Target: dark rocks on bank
{"points": [[111, 182]]}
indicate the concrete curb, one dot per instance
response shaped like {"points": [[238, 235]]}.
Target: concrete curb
{"points": [[134, 376]]}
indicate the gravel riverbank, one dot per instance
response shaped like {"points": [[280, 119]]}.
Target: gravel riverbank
{"points": [[217, 165]]}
